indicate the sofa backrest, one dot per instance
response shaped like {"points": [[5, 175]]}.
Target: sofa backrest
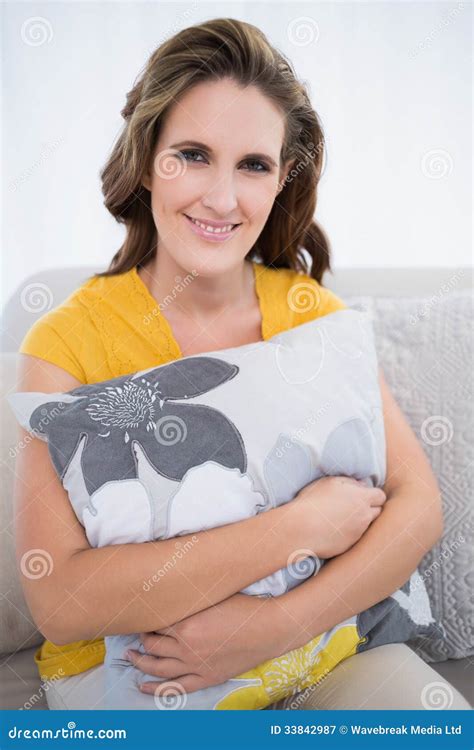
{"points": [[45, 290]]}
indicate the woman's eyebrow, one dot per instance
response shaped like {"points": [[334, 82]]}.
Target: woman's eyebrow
{"points": [[197, 144]]}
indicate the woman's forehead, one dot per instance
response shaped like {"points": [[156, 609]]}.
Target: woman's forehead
{"points": [[225, 116]]}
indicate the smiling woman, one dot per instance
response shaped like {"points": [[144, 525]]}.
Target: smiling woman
{"points": [[215, 177], [222, 186]]}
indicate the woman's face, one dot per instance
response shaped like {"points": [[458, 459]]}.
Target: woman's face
{"points": [[232, 178]]}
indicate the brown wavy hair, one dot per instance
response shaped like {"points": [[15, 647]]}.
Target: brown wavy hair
{"points": [[220, 48]]}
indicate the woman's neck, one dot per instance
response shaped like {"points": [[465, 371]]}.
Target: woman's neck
{"points": [[195, 295]]}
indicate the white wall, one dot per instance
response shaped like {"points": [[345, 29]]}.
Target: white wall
{"points": [[390, 81]]}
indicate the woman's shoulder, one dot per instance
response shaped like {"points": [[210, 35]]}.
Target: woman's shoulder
{"points": [[58, 336], [296, 296]]}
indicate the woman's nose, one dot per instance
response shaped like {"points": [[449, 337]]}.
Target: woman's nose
{"points": [[221, 195]]}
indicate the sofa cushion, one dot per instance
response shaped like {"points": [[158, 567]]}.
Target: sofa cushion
{"points": [[17, 629], [425, 347], [20, 684], [21, 687]]}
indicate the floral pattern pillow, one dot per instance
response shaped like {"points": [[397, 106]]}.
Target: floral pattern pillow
{"points": [[213, 439]]}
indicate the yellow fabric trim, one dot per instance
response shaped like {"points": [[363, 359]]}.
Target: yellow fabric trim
{"points": [[293, 672], [54, 662]]}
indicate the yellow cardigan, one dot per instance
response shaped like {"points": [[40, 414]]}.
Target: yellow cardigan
{"points": [[112, 326]]}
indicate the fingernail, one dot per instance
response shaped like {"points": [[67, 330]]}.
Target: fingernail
{"points": [[129, 655]]}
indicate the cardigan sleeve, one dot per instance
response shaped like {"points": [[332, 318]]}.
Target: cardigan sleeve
{"points": [[56, 338], [329, 301], [306, 299]]}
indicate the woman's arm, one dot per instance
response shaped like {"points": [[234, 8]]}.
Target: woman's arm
{"points": [[241, 632], [85, 593]]}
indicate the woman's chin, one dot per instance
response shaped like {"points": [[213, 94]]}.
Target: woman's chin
{"points": [[209, 263]]}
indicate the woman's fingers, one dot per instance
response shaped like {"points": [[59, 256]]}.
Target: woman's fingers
{"points": [[376, 511], [168, 668], [160, 645], [376, 494], [170, 630], [377, 497]]}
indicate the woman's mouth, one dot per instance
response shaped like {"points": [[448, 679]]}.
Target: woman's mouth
{"points": [[214, 234]]}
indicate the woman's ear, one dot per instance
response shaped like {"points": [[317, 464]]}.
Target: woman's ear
{"points": [[147, 176], [284, 174], [146, 181]]}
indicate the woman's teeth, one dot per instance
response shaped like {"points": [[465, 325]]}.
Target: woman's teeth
{"points": [[213, 230]]}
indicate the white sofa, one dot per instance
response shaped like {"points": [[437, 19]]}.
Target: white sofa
{"points": [[422, 319]]}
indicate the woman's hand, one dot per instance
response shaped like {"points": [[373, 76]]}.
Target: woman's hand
{"points": [[230, 638], [339, 509], [214, 645]]}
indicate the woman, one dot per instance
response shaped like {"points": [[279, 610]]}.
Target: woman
{"points": [[216, 168]]}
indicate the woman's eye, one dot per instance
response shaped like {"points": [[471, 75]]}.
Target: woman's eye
{"points": [[184, 154], [263, 166], [256, 166]]}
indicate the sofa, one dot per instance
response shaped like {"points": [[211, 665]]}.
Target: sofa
{"points": [[422, 322]]}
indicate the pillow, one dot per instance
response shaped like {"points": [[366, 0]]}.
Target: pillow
{"points": [[212, 439]]}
